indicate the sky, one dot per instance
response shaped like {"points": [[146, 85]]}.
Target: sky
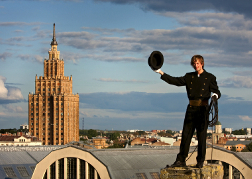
{"points": [[105, 45]]}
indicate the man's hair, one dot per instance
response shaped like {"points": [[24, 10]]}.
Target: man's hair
{"points": [[197, 57]]}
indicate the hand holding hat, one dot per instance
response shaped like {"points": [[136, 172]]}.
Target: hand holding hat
{"points": [[156, 61]]}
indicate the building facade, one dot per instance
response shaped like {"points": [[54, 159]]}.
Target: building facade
{"points": [[19, 141], [248, 130], [54, 109], [24, 126]]}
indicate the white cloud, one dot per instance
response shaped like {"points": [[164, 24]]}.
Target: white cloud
{"points": [[2, 114], [9, 93], [111, 113], [35, 58], [38, 58], [115, 80], [12, 108], [245, 118], [4, 55], [237, 82]]}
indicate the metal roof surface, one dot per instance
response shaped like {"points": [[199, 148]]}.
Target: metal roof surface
{"points": [[127, 162], [121, 163]]}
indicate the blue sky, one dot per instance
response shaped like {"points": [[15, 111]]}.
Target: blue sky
{"points": [[105, 45]]}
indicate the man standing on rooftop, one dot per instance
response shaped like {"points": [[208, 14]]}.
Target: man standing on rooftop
{"points": [[199, 86]]}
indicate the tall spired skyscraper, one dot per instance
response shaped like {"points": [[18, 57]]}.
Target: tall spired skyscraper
{"points": [[54, 109]]}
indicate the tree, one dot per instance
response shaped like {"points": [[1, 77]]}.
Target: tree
{"points": [[170, 132], [114, 136], [239, 132], [248, 148], [118, 144], [140, 133], [245, 150], [83, 132], [92, 133], [226, 132], [233, 148], [163, 134]]}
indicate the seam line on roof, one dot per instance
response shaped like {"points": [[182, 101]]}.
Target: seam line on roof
{"points": [[32, 157]]}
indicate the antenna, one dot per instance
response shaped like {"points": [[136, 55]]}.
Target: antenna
{"points": [[83, 123]]}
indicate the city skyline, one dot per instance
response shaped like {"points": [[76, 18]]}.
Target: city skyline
{"points": [[105, 45]]}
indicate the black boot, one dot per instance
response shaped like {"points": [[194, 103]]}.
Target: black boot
{"points": [[178, 164], [199, 165]]}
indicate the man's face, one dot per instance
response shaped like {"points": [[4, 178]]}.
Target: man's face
{"points": [[198, 66]]}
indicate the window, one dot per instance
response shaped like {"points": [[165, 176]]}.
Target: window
{"points": [[91, 171], [82, 169], [61, 168], [9, 172], [52, 171], [141, 176], [23, 172], [32, 168], [155, 175], [71, 168]]}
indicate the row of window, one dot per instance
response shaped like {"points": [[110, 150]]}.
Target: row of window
{"points": [[56, 99], [230, 147], [37, 104], [32, 109], [49, 114], [14, 145], [21, 169], [71, 172], [48, 119]]}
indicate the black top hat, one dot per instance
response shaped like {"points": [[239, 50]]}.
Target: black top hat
{"points": [[156, 60]]}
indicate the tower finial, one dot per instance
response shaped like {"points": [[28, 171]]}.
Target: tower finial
{"points": [[54, 42]]}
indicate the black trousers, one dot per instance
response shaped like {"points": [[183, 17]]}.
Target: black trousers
{"points": [[196, 118]]}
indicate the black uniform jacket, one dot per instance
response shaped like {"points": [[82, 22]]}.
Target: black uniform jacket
{"points": [[197, 87]]}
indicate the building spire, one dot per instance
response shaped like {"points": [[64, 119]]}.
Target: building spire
{"points": [[54, 42]]}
